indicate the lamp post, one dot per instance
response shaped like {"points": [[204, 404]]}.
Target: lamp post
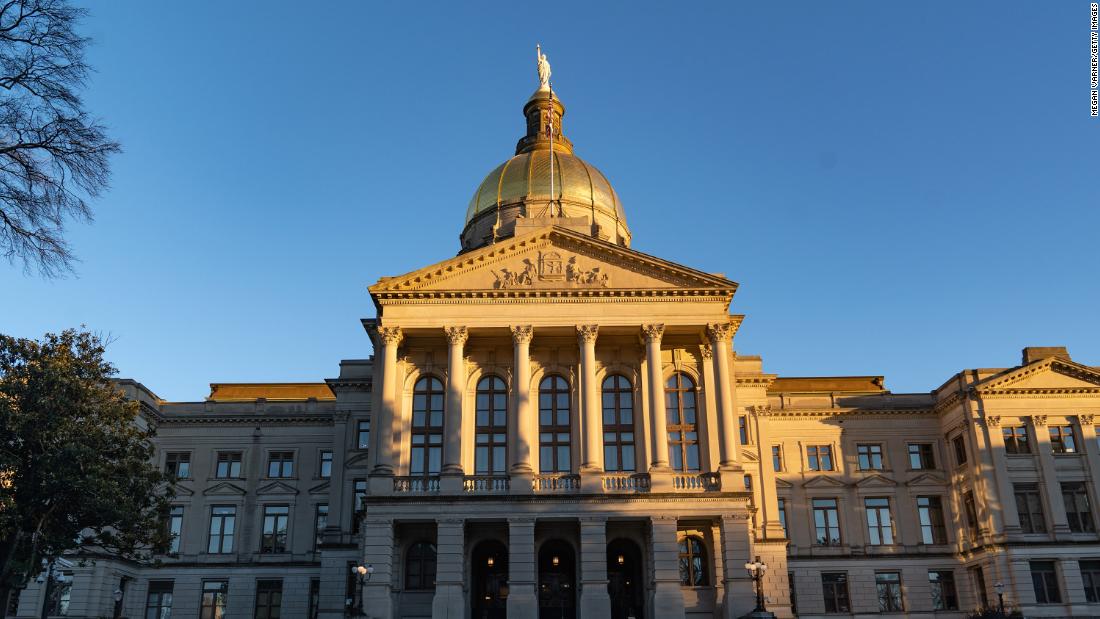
{"points": [[756, 571], [999, 587], [362, 574]]}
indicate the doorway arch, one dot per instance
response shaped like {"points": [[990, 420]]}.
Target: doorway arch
{"points": [[489, 591], [624, 579], [557, 581]]}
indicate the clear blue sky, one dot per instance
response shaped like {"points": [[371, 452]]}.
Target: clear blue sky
{"points": [[905, 189]]}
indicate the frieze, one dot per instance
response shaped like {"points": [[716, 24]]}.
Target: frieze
{"points": [[550, 268]]}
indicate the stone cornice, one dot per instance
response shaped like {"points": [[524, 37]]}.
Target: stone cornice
{"points": [[350, 384], [1002, 383], [250, 419], [1051, 392], [513, 296], [808, 413]]}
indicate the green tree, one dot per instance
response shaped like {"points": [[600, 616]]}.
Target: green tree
{"points": [[76, 460]]}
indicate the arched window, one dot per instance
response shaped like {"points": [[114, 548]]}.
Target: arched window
{"points": [[420, 566], [683, 435], [618, 424], [490, 455], [427, 427], [693, 562], [554, 425]]}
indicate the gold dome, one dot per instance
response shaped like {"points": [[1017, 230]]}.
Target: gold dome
{"points": [[517, 192]]}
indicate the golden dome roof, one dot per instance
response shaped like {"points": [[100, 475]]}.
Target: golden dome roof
{"points": [[527, 176]]}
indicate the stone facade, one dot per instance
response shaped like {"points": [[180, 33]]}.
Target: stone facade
{"points": [[555, 424]]}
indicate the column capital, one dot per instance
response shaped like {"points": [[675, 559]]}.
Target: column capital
{"points": [[761, 410], [707, 351], [1039, 420], [522, 334], [587, 333], [1085, 420], [653, 332], [456, 336], [720, 331], [389, 335], [993, 420]]}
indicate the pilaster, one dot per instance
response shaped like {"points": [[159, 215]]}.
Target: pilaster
{"points": [[1052, 489], [595, 601], [378, 552], [995, 439], [522, 599], [738, 596], [668, 601], [769, 498], [450, 538], [381, 477], [720, 334], [1092, 451]]}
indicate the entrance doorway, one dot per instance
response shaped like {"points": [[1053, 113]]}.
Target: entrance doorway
{"points": [[624, 579], [557, 581], [489, 566]]}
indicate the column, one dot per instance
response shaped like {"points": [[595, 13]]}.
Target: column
{"points": [[995, 439], [339, 519], [451, 473], [769, 498], [738, 597], [378, 553], [720, 333], [595, 601], [591, 411], [1092, 451], [522, 434], [522, 601], [1051, 487], [668, 601], [710, 427], [390, 338], [450, 541], [659, 451]]}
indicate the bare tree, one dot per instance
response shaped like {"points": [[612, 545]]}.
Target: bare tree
{"points": [[53, 156]]}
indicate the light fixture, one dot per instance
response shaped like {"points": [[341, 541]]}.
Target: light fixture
{"points": [[490, 561], [621, 560], [118, 595], [555, 561], [999, 587]]}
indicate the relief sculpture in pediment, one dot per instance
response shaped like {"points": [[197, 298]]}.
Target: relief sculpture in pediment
{"points": [[550, 269]]}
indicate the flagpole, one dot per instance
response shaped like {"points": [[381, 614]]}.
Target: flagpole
{"points": [[550, 91]]}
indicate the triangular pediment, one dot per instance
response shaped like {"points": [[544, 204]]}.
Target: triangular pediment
{"points": [[224, 489], [750, 456], [552, 258], [1051, 373], [276, 487], [875, 481], [927, 479], [823, 481], [321, 488], [182, 490], [358, 460], [779, 483]]}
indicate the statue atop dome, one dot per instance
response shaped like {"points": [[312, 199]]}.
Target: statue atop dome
{"points": [[543, 67]]}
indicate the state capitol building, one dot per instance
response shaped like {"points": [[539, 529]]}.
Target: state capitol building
{"points": [[554, 424]]}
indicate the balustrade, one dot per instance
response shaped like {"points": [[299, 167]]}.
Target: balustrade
{"points": [[419, 485], [696, 482], [486, 483], [557, 482], [626, 482]]}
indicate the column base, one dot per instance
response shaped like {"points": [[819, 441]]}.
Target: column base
{"points": [[732, 479], [521, 482], [592, 482], [452, 483], [380, 484], [448, 601], [521, 600], [668, 601], [660, 479]]}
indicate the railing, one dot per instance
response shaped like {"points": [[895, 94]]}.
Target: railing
{"points": [[485, 483], [422, 485], [626, 482], [557, 482], [696, 482]]}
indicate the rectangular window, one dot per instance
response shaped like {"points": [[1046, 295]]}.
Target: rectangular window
{"points": [[944, 595], [1076, 498], [1016, 440], [280, 464], [178, 464], [743, 429], [920, 456], [223, 528], [175, 527], [971, 515], [326, 464], [783, 516], [359, 492], [158, 603], [314, 597], [1062, 440], [269, 599], [930, 514], [362, 433], [60, 595], [276, 518], [826, 522], [870, 457], [777, 458], [320, 521], [1029, 505], [959, 445], [1090, 577], [834, 587], [819, 457], [228, 465], [888, 585], [880, 524], [1045, 580], [215, 599]]}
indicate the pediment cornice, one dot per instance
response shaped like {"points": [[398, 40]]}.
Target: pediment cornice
{"points": [[1014, 383]]}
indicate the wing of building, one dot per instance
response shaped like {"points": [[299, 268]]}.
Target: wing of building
{"points": [[555, 424]]}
